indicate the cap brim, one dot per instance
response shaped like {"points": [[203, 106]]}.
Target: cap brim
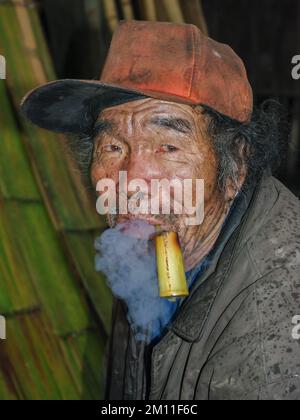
{"points": [[72, 106]]}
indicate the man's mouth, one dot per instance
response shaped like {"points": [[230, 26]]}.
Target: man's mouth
{"points": [[149, 219]]}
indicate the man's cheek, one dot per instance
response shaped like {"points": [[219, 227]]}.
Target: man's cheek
{"points": [[209, 173], [99, 172]]}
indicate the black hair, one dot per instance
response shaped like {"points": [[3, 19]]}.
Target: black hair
{"points": [[259, 144]]}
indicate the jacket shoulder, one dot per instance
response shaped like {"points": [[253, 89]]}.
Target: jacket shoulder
{"points": [[276, 244]]}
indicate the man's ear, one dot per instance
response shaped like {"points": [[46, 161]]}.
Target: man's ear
{"points": [[236, 182]]}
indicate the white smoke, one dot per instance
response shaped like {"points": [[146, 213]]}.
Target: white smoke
{"points": [[126, 255]]}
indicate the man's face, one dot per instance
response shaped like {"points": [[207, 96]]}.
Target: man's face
{"points": [[153, 139]]}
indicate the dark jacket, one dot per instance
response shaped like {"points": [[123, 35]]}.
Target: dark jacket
{"points": [[232, 337]]}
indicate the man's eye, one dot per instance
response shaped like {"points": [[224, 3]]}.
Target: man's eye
{"points": [[168, 148], [112, 148]]}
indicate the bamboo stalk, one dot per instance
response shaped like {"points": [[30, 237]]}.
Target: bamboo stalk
{"points": [[202, 20], [29, 43], [127, 9], [111, 14], [193, 13], [41, 277], [21, 187], [71, 207], [174, 11], [161, 11], [148, 9], [92, 12]]}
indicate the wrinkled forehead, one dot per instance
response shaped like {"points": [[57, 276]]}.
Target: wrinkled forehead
{"points": [[154, 113]]}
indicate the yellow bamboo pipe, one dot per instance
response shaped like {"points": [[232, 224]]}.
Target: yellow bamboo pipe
{"points": [[170, 266]]}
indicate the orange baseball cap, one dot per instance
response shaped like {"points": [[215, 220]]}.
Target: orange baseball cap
{"points": [[167, 61]]}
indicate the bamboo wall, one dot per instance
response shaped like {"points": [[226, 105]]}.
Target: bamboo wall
{"points": [[57, 307]]}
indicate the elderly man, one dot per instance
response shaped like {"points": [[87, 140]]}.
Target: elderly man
{"points": [[174, 104]]}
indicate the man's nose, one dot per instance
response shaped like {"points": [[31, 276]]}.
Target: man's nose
{"points": [[142, 165]]}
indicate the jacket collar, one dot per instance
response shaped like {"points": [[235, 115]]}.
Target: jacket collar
{"points": [[243, 222]]}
